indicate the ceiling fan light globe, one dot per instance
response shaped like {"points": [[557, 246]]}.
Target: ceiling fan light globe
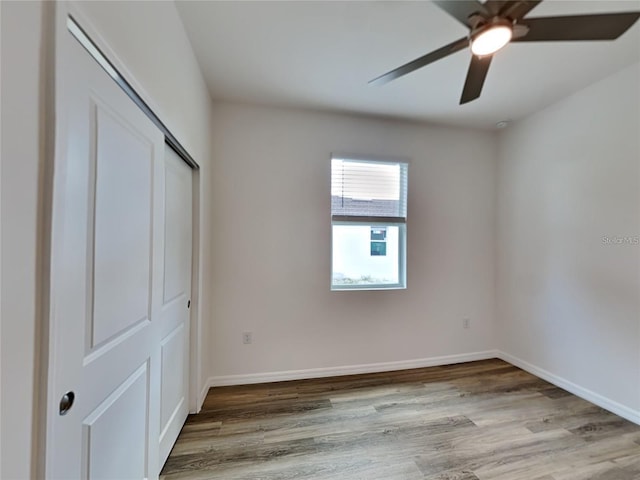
{"points": [[491, 40]]}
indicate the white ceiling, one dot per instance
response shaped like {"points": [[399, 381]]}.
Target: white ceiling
{"points": [[321, 55]]}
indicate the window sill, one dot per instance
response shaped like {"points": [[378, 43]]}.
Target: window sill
{"points": [[368, 288]]}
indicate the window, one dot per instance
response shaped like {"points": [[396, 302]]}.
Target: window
{"points": [[379, 241], [368, 221]]}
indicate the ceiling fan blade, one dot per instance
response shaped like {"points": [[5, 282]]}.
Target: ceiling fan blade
{"points": [[605, 26], [517, 10], [475, 78], [422, 61], [461, 10]]}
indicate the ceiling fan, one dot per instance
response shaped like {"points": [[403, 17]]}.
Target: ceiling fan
{"points": [[495, 23]]}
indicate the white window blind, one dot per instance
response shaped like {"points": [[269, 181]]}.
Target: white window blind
{"points": [[368, 191]]}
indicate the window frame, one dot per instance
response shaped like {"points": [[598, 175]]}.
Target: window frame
{"points": [[373, 221]]}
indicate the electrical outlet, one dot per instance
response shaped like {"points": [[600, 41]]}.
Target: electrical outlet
{"points": [[466, 323], [247, 338]]}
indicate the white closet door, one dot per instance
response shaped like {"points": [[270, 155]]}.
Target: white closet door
{"points": [[107, 292], [176, 297]]}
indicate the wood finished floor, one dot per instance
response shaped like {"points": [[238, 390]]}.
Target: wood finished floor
{"points": [[483, 420]]}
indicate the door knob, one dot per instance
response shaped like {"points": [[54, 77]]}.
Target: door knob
{"points": [[66, 402]]}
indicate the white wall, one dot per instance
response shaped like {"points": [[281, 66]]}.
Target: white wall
{"points": [[569, 304], [271, 184], [159, 62], [21, 97]]}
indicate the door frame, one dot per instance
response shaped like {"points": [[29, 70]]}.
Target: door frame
{"points": [[57, 133]]}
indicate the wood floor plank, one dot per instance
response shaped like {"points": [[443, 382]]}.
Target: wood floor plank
{"points": [[484, 420]]}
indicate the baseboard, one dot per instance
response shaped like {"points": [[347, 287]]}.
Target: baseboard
{"points": [[203, 394], [225, 380], [595, 398]]}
